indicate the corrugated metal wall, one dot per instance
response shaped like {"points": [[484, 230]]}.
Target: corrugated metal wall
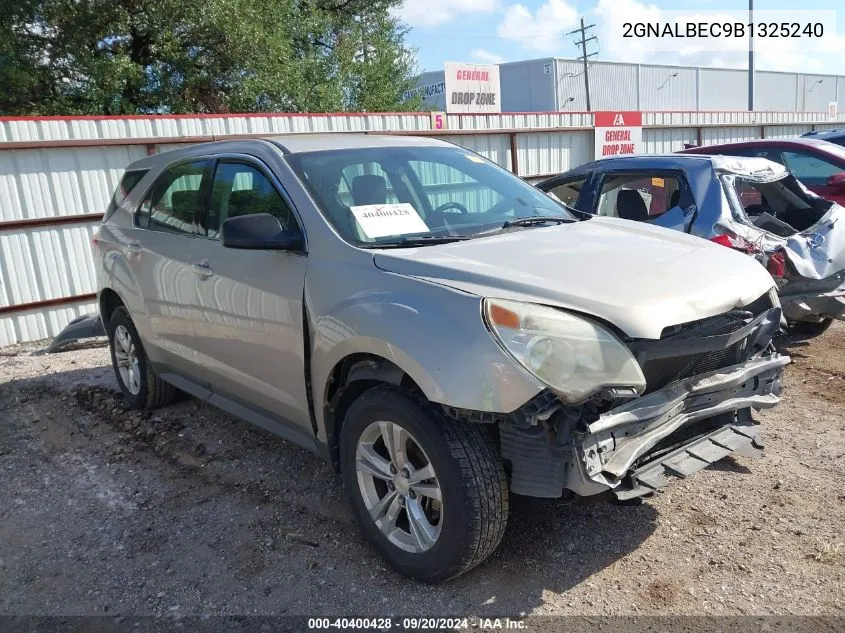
{"points": [[40, 183], [777, 91], [552, 152], [818, 91], [612, 86], [36, 325], [668, 88], [723, 90], [43, 263], [728, 134], [665, 140], [528, 87], [495, 147], [621, 86]]}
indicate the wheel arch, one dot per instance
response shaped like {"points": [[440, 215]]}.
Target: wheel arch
{"points": [[349, 378], [109, 301]]}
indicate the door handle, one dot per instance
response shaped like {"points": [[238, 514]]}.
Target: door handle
{"points": [[202, 269], [134, 247]]}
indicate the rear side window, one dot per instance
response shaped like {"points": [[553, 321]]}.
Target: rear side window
{"points": [[127, 184], [172, 203]]}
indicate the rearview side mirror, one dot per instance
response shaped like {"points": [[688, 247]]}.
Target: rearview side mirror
{"points": [[259, 231], [837, 181]]}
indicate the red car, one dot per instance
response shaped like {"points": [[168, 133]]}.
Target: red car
{"points": [[819, 165]]}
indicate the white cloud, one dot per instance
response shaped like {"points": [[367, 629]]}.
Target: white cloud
{"points": [[486, 57], [542, 30], [429, 13], [786, 54]]}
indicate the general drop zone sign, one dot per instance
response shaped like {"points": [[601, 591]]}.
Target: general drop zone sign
{"points": [[473, 89], [618, 133]]}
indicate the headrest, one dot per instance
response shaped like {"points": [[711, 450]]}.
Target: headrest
{"points": [[369, 189], [631, 206]]}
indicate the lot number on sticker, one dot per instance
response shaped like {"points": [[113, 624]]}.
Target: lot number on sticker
{"points": [[381, 220]]}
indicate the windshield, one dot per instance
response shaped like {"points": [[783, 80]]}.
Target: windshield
{"points": [[375, 196], [779, 206]]}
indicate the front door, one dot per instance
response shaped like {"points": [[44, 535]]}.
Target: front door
{"points": [[249, 331]]}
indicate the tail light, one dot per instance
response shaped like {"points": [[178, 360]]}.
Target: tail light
{"points": [[735, 242], [777, 264]]}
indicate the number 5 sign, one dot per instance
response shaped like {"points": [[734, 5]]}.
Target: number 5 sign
{"points": [[438, 120]]}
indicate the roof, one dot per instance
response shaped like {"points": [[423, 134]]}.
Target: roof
{"points": [[800, 141], [296, 143], [754, 167], [292, 144]]}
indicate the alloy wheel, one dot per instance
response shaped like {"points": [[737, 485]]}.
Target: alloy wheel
{"points": [[399, 487], [126, 357]]}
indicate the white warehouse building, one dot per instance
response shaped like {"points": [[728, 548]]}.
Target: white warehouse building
{"points": [[557, 85]]}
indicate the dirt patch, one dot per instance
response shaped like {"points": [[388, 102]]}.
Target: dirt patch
{"points": [[186, 511], [662, 592]]}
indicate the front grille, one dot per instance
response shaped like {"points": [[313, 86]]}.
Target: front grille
{"points": [[679, 354], [662, 372]]}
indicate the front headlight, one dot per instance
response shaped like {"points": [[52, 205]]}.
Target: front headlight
{"points": [[573, 356]]}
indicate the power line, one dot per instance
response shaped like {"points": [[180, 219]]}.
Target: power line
{"points": [[584, 56]]}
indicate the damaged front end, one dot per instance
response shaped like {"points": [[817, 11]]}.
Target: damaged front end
{"points": [[703, 380]]}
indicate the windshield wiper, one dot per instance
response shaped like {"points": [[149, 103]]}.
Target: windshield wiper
{"points": [[417, 240], [536, 219]]}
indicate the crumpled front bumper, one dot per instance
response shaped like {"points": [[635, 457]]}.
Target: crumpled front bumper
{"points": [[616, 450]]}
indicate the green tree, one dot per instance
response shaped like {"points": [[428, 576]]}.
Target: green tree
{"points": [[215, 56]]}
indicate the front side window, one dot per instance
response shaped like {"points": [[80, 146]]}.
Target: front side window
{"points": [[377, 195], [173, 202], [242, 189], [639, 197], [809, 169], [568, 192]]}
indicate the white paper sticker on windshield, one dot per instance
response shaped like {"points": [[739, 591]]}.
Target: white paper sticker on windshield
{"points": [[381, 220], [475, 159]]}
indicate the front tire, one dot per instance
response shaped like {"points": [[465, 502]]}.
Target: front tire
{"points": [[140, 385], [429, 491]]}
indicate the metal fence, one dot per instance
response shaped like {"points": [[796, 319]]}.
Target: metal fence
{"points": [[57, 175]]}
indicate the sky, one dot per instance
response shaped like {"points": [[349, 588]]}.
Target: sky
{"points": [[497, 31]]}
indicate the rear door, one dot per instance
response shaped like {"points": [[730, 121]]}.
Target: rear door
{"points": [[165, 227], [249, 330]]}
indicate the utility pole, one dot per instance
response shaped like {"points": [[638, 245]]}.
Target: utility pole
{"points": [[584, 56], [751, 56]]}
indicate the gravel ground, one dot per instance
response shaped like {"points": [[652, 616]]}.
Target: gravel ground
{"points": [[190, 512]]}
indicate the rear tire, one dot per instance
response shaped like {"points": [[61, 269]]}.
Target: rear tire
{"points": [[808, 329], [138, 382], [468, 522]]}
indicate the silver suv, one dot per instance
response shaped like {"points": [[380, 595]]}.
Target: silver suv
{"points": [[439, 330]]}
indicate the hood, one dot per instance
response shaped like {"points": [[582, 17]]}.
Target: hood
{"points": [[640, 278]]}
